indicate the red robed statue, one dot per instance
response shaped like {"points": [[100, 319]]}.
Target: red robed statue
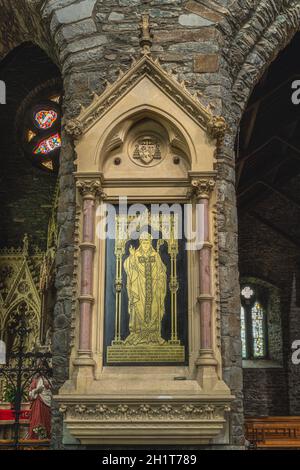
{"points": [[40, 395]]}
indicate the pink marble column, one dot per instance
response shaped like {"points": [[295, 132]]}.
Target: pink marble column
{"points": [[203, 189], [89, 190]]}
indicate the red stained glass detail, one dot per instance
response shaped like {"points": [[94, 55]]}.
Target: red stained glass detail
{"points": [[45, 118], [48, 145]]}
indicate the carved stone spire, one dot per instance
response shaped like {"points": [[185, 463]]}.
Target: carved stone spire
{"points": [[145, 34]]}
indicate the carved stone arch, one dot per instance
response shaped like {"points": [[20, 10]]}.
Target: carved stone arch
{"points": [[33, 322], [136, 121], [255, 35], [141, 89], [23, 23], [34, 304]]}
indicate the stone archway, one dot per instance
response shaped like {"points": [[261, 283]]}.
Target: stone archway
{"points": [[253, 33], [22, 21], [267, 200]]}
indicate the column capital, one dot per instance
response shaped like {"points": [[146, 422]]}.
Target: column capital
{"points": [[202, 187], [90, 189]]}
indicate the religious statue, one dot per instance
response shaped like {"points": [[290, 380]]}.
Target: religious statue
{"points": [[146, 287], [40, 419]]}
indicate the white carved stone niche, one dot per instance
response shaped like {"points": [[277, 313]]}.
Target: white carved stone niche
{"points": [[148, 139]]}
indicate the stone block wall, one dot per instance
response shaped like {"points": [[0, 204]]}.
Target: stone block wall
{"points": [[265, 392], [265, 254]]}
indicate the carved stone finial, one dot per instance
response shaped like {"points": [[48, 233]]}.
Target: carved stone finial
{"points": [[145, 35], [201, 188], [90, 189], [74, 128], [25, 244]]}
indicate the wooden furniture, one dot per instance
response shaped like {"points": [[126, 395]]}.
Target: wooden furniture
{"points": [[273, 432], [25, 444]]}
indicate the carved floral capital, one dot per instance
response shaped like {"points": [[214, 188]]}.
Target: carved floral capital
{"points": [[202, 188], [90, 189]]}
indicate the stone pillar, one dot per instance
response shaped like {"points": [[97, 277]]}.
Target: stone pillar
{"points": [[89, 191], [206, 362]]}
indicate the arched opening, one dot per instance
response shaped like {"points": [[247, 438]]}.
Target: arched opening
{"points": [[29, 162], [268, 176], [148, 139], [29, 76]]}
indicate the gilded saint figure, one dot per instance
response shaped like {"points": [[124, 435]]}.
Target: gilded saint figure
{"points": [[146, 288]]}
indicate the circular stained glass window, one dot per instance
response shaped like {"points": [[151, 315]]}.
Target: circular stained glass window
{"points": [[41, 135]]}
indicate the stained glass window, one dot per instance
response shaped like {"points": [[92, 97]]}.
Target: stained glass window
{"points": [[48, 145], [257, 314], [253, 322], [45, 118], [30, 135], [41, 135], [247, 292], [48, 164], [243, 333], [55, 98]]}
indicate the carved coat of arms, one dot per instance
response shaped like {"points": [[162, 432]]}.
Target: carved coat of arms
{"points": [[147, 150]]}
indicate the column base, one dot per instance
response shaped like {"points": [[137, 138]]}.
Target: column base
{"points": [[207, 373], [206, 358], [84, 372]]}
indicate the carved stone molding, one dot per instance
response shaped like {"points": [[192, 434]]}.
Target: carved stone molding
{"points": [[167, 81], [144, 411], [144, 421], [90, 188]]}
